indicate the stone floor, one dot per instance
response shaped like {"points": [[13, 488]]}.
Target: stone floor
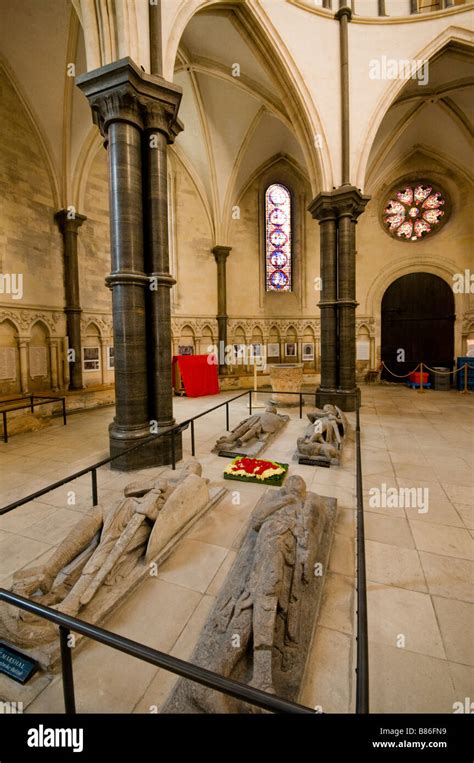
{"points": [[419, 565]]}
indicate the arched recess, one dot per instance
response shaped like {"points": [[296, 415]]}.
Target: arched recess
{"points": [[415, 264], [35, 126], [10, 358], [417, 316], [450, 36], [251, 200], [207, 339], [186, 344], [309, 350], [39, 357], [92, 360], [257, 29]]}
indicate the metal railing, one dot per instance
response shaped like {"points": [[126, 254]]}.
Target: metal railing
{"points": [[362, 669], [168, 432], [181, 668], [171, 663], [40, 400]]}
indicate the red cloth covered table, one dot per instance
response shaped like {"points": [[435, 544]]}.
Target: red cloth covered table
{"points": [[199, 377]]}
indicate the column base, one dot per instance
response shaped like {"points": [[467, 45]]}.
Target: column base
{"points": [[157, 452], [346, 400]]}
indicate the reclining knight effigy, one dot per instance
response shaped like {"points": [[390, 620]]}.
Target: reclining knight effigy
{"points": [[324, 437], [260, 629], [252, 435], [106, 554]]}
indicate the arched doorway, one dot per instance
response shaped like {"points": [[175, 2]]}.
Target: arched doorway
{"points": [[417, 317]]}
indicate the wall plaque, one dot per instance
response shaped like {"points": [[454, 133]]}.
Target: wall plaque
{"points": [[8, 363], [38, 361]]}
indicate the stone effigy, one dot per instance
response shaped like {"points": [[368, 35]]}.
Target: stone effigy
{"points": [[324, 437], [260, 629], [106, 554], [252, 435]]}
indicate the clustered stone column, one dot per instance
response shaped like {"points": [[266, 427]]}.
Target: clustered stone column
{"points": [[69, 223], [137, 115], [337, 212], [221, 253]]}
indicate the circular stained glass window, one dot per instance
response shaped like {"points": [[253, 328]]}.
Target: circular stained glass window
{"points": [[277, 216], [278, 196], [278, 279], [278, 237], [278, 259], [414, 212]]}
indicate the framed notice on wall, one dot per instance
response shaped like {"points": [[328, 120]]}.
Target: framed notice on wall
{"points": [[8, 363], [110, 358], [363, 349], [90, 359], [308, 350], [273, 350], [38, 361]]}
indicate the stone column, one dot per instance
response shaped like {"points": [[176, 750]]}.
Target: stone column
{"points": [[161, 127], [53, 360], [114, 102], [65, 363], [69, 223], [413, 6], [137, 114], [104, 343], [337, 212], [221, 253], [381, 8], [322, 209], [23, 344]]}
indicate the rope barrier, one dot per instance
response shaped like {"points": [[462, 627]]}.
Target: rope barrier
{"points": [[424, 367], [403, 376]]}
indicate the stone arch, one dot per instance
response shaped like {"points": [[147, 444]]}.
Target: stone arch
{"points": [[35, 126], [393, 90], [303, 112], [415, 264]]}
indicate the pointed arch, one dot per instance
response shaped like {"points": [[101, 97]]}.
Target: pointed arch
{"points": [[35, 125], [451, 35]]}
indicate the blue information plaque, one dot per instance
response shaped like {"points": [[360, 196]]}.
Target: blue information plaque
{"points": [[16, 665]]}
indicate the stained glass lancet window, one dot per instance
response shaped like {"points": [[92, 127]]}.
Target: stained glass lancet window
{"points": [[414, 212], [278, 238]]}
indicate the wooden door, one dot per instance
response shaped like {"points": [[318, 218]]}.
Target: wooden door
{"points": [[417, 317]]}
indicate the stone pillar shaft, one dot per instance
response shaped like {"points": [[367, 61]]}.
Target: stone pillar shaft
{"points": [[69, 223], [137, 114], [328, 233], [221, 253], [23, 344], [127, 280], [161, 281], [337, 212], [53, 360]]}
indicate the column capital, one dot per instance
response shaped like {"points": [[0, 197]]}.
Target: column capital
{"points": [[221, 252], [122, 92], [68, 220], [346, 200]]}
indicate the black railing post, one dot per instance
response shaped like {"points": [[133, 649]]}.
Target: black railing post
{"points": [[250, 401], [173, 453], [193, 446], [66, 667], [64, 411], [5, 433], [301, 406], [95, 497], [32, 404], [227, 417]]}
